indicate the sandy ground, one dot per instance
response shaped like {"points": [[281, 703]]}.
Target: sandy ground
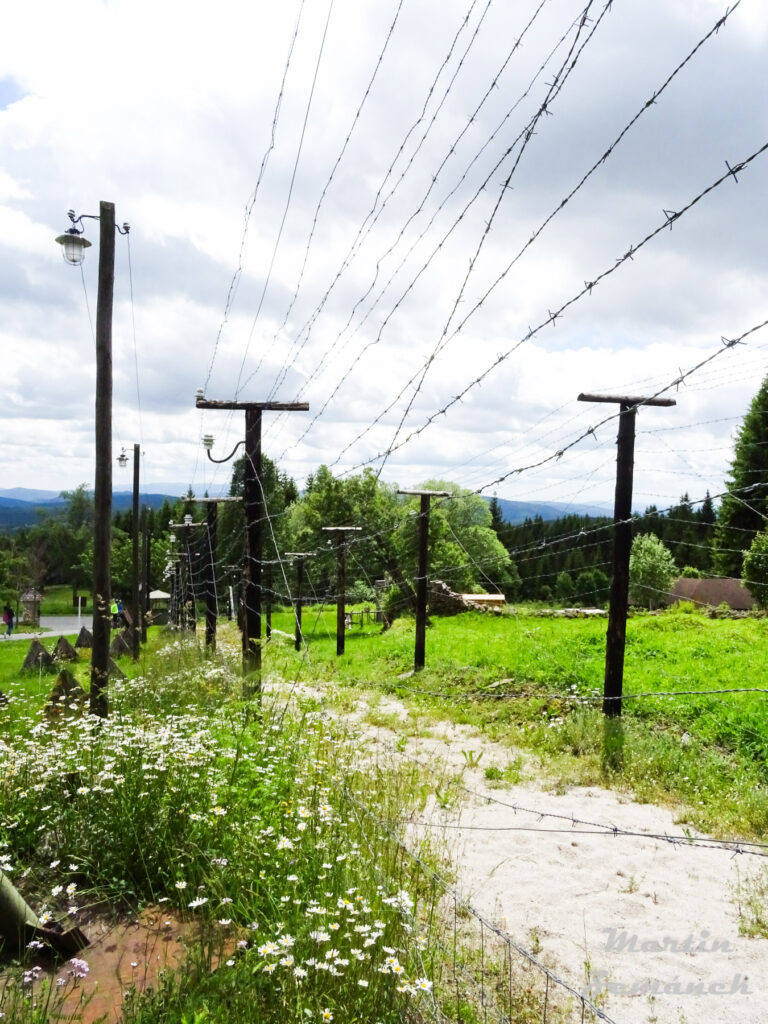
{"points": [[646, 929]]}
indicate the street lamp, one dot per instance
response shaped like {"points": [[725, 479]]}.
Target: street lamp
{"points": [[74, 245]]}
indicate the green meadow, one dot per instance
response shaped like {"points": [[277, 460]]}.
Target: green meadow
{"points": [[261, 825]]}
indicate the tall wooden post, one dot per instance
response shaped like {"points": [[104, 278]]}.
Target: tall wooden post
{"points": [[254, 512], [211, 604], [341, 583], [135, 589], [187, 605], [423, 570], [300, 557], [268, 584], [615, 639], [211, 589], [102, 490], [146, 561], [254, 515]]}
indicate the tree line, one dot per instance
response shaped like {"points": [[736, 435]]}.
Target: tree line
{"points": [[472, 548]]}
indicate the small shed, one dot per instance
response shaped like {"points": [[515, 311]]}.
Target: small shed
{"points": [[30, 607], [158, 607]]}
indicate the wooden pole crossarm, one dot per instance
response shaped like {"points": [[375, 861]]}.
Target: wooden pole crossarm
{"points": [[627, 400], [208, 403], [429, 494], [341, 529]]}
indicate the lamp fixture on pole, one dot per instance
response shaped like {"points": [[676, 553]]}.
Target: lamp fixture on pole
{"points": [[74, 245]]}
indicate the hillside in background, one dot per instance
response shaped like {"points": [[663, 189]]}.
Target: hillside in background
{"points": [[515, 512], [17, 512]]}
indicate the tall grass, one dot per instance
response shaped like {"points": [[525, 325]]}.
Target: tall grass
{"points": [[265, 824]]}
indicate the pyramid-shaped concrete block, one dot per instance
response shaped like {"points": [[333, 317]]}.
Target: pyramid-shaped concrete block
{"points": [[64, 651], [37, 657], [119, 646], [66, 696], [84, 638]]}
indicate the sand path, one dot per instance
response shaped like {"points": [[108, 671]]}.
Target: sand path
{"points": [[647, 929]]}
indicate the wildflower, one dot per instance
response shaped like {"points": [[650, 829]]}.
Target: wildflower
{"points": [[422, 985], [219, 811], [326, 1014], [224, 921], [225, 899], [181, 884], [362, 983], [198, 901], [242, 943], [268, 947], [78, 968], [56, 890], [299, 972], [230, 963]]}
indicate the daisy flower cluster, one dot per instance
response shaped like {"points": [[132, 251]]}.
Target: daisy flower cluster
{"points": [[241, 822]]}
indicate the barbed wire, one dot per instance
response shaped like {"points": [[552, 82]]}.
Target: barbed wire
{"points": [[446, 337], [671, 217]]}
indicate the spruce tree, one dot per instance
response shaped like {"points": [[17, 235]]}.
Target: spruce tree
{"points": [[744, 508]]}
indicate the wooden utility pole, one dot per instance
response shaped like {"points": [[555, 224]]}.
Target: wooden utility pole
{"points": [[255, 512], [145, 566], [188, 616], [421, 579], [211, 590], [300, 557], [341, 532], [135, 590], [615, 640], [102, 490]]}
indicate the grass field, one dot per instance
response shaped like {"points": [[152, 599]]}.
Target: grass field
{"points": [[708, 752], [254, 823]]}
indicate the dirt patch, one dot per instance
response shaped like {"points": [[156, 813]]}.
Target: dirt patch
{"points": [[124, 953]]}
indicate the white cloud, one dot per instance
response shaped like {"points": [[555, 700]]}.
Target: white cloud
{"points": [[166, 109]]}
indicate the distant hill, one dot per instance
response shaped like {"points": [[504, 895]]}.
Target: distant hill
{"points": [[17, 512], [515, 512]]}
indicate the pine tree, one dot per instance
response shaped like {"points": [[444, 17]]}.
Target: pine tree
{"points": [[744, 508]]}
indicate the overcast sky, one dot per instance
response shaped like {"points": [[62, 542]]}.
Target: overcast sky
{"points": [[362, 205]]}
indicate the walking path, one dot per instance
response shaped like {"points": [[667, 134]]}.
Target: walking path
{"points": [[54, 625], [647, 929]]}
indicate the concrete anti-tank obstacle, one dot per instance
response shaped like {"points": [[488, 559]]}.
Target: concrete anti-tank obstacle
{"points": [[64, 651], [37, 657], [84, 638]]}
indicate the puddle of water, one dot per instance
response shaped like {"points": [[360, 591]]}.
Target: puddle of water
{"points": [[123, 954]]}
